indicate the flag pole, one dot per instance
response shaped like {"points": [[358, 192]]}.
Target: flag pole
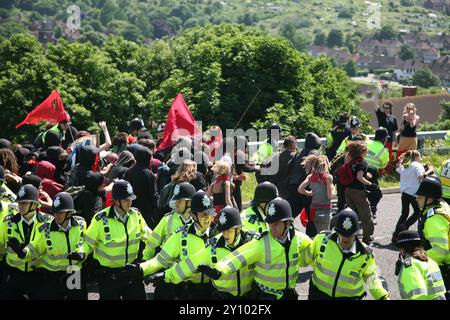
{"points": [[248, 107]]}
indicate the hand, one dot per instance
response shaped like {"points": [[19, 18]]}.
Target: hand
{"points": [[17, 247], [211, 272], [77, 256], [157, 277], [102, 125], [133, 270]]}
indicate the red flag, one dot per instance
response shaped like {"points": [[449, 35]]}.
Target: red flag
{"points": [[179, 123], [51, 110]]}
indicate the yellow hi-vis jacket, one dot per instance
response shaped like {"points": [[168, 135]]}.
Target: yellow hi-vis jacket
{"points": [[377, 156], [347, 140], [434, 228], [113, 242], [444, 175], [342, 275], [12, 227], [52, 245], [276, 266], [182, 244], [253, 221], [420, 280], [236, 284], [168, 224]]}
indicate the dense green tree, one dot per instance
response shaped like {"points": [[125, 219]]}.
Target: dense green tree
{"points": [[335, 38], [425, 78]]}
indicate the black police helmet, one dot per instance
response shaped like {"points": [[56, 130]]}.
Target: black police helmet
{"points": [[201, 202], [430, 187], [355, 123], [28, 193], [347, 223], [229, 218], [184, 190], [381, 134], [264, 192], [278, 210], [137, 124], [63, 202], [409, 238], [122, 190]]}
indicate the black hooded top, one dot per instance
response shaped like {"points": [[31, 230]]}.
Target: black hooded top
{"points": [[126, 160], [86, 158], [143, 182], [90, 200], [53, 154]]}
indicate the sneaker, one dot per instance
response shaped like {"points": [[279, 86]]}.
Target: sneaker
{"points": [[374, 220]]}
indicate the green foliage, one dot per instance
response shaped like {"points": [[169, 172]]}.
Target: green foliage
{"points": [[386, 32], [425, 78], [406, 53], [335, 39]]}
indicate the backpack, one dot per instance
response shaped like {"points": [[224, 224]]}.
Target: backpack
{"points": [[345, 172]]}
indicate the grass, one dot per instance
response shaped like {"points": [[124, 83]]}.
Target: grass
{"points": [[390, 181]]}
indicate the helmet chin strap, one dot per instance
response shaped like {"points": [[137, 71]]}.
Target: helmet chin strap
{"points": [[120, 206], [29, 209]]}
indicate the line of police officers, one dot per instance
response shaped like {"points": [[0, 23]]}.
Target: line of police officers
{"points": [[256, 256]]}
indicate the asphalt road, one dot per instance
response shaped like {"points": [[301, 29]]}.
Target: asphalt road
{"points": [[385, 253]]}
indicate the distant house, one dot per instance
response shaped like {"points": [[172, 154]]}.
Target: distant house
{"points": [[407, 69], [389, 48], [441, 68], [339, 55], [368, 44], [437, 5], [429, 55], [376, 62], [43, 31], [428, 107]]}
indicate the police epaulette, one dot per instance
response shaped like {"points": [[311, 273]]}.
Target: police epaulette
{"points": [[181, 228], [79, 218], [327, 232], [100, 215], [211, 241], [262, 235], [430, 212], [252, 219], [46, 225], [135, 209], [8, 217]]}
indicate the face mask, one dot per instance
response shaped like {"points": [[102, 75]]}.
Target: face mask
{"points": [[173, 204]]}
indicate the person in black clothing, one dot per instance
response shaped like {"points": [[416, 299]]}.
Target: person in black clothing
{"points": [[143, 182], [87, 159], [126, 161], [387, 120], [297, 174], [202, 161], [90, 200], [58, 157], [337, 135]]}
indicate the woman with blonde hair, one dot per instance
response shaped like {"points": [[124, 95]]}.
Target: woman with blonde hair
{"points": [[321, 183], [408, 126], [186, 172], [221, 188]]}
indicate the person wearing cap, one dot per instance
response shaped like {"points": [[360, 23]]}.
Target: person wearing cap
{"points": [[277, 255], [343, 263], [178, 217], [53, 246], [419, 277], [114, 236], [337, 135], [137, 127], [253, 219], [377, 159], [16, 231], [434, 223], [185, 242], [230, 238], [355, 128]]}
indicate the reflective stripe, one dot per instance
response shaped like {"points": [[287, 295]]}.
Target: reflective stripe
{"points": [[438, 240], [434, 277], [412, 293], [275, 279], [190, 265], [169, 225], [240, 258], [180, 272], [334, 274], [121, 244], [272, 266], [231, 267], [55, 268], [89, 240], [156, 236], [34, 252], [440, 250], [441, 297], [267, 250], [53, 257], [436, 289], [107, 256], [244, 289], [349, 292], [16, 263], [165, 256], [233, 276], [163, 261]]}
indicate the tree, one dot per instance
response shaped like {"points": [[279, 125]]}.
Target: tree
{"points": [[350, 68], [406, 53], [320, 39], [425, 78], [335, 38], [386, 32], [10, 28], [288, 31]]}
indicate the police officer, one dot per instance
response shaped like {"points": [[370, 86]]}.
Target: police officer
{"points": [[16, 232], [434, 223], [419, 277], [342, 263], [337, 135], [277, 255], [114, 236], [355, 128], [254, 217], [444, 173], [377, 159], [230, 238], [137, 127], [53, 245], [265, 150], [185, 242], [180, 216]]}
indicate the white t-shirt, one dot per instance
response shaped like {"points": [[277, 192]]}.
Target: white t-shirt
{"points": [[409, 177]]}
